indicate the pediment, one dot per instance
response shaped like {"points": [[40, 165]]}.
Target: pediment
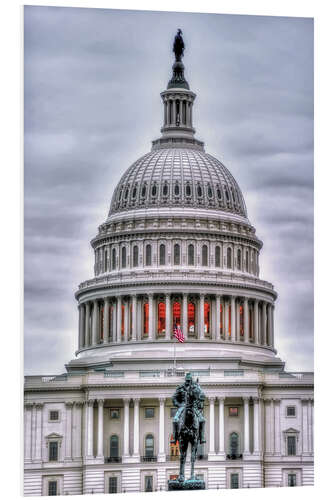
{"points": [[291, 430], [53, 435]]}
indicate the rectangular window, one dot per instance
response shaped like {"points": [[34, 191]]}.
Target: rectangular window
{"points": [[149, 412], [234, 481], [113, 485], [292, 480], [53, 451], [114, 413], [148, 483], [54, 415], [233, 411], [291, 411], [291, 444], [52, 489], [173, 412]]}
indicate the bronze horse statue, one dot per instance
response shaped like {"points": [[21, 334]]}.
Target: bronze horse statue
{"points": [[188, 432]]}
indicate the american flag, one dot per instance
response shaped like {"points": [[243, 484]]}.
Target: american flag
{"points": [[177, 332]]}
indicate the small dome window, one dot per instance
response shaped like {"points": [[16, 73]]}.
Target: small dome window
{"points": [[176, 189], [210, 192], [227, 194], [134, 192], [188, 190], [143, 191], [126, 194], [119, 194], [165, 190], [199, 191], [154, 190], [219, 194]]}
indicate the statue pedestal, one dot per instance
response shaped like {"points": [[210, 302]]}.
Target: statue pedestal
{"points": [[189, 484]]}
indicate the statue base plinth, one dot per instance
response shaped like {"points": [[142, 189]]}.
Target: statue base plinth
{"points": [[189, 484]]}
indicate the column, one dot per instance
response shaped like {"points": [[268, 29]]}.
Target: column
{"points": [[311, 426], [114, 321], [246, 319], [272, 319], [100, 429], [161, 448], [246, 426], [81, 326], [126, 321], [255, 322], [272, 418], [217, 317], [226, 319], [277, 448], [305, 435], [165, 112], [90, 427], [233, 318], [77, 430], [94, 322], [33, 430], [167, 316], [106, 320], [151, 316], [181, 112], [87, 325], [134, 317], [126, 427], [256, 425], [211, 427], [118, 320], [221, 427], [68, 435], [39, 426], [136, 434], [184, 316], [174, 112], [237, 306], [27, 432], [201, 317], [264, 324]]}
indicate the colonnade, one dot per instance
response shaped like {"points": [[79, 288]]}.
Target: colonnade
{"points": [[177, 112], [153, 316]]}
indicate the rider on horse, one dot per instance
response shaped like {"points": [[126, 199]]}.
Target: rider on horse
{"points": [[179, 400]]}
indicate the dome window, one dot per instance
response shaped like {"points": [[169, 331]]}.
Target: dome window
{"points": [[217, 256], [134, 193], [165, 190], [113, 258], [227, 194], [126, 194], [229, 258], [123, 257], [204, 256], [143, 191], [176, 255], [119, 194], [199, 191], [162, 254], [188, 190], [210, 192], [135, 256], [148, 255], [177, 189], [219, 194], [154, 190], [239, 259], [190, 255]]}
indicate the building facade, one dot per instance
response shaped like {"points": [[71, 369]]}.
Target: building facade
{"points": [[177, 248]]}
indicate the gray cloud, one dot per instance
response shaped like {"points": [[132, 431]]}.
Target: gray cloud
{"points": [[92, 106]]}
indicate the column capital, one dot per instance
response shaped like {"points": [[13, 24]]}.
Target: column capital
{"points": [[39, 406], [28, 406], [100, 402], [277, 400], [246, 399], [90, 402], [79, 404], [69, 404], [221, 399], [211, 399], [162, 400], [126, 400], [136, 400]]}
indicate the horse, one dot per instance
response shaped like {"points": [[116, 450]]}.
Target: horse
{"points": [[188, 432]]}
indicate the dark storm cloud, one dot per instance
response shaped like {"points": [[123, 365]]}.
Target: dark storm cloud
{"points": [[92, 106]]}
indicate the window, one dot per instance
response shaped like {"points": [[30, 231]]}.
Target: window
{"points": [[234, 481], [176, 255], [52, 488], [176, 189], [161, 318], [207, 318], [291, 445], [247, 261], [123, 257], [53, 451], [239, 259], [229, 258], [217, 257], [149, 445], [135, 256], [148, 483], [113, 258], [54, 415], [145, 318], [233, 444], [199, 191], [190, 255], [204, 255], [114, 413], [188, 190], [113, 485], [114, 447], [162, 254], [165, 190], [143, 191], [292, 479], [105, 260], [233, 411], [176, 315], [154, 190], [149, 412], [291, 411], [173, 411], [148, 255], [209, 191], [191, 318]]}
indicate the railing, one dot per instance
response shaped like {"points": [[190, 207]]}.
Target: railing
{"points": [[113, 460], [152, 458], [234, 456], [115, 374]]}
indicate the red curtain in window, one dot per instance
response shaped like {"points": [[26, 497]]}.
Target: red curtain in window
{"points": [[191, 318], [161, 318], [145, 318], [176, 313], [207, 317], [229, 325]]}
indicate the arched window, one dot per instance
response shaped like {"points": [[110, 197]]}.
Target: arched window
{"points": [[190, 255], [113, 258], [135, 256], [122, 320], [161, 318], [177, 189], [176, 255], [199, 191], [204, 255], [241, 320], [145, 318], [229, 258], [247, 261], [207, 318], [105, 260], [165, 190], [234, 444], [239, 259], [148, 255], [143, 191], [101, 322], [221, 320], [217, 256], [176, 314], [149, 445], [191, 318], [114, 447], [123, 257], [162, 254]]}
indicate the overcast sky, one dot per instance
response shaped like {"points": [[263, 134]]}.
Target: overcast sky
{"points": [[92, 106]]}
